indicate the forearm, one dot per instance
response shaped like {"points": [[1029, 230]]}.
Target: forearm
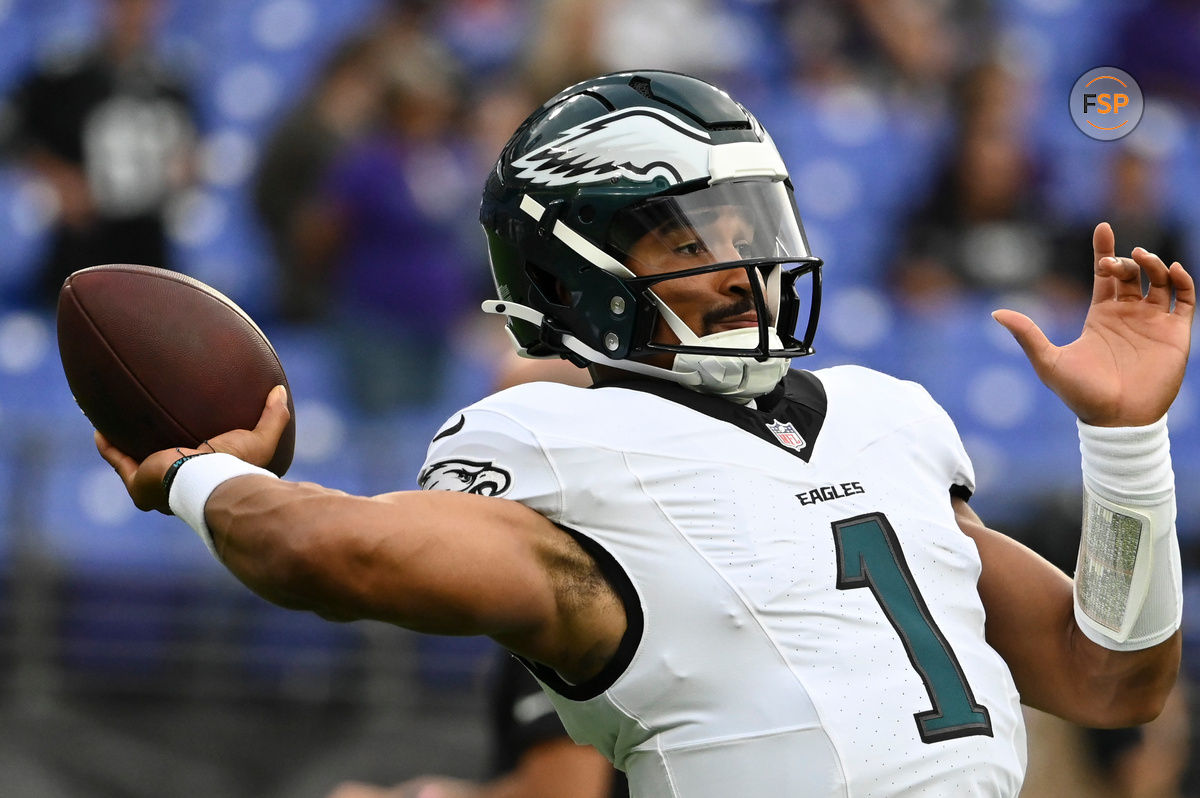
{"points": [[1056, 668], [1127, 598], [282, 540], [1121, 688], [1128, 579], [344, 557], [424, 560]]}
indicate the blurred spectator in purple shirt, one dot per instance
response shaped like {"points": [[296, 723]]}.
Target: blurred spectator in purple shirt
{"points": [[336, 111], [390, 222], [1160, 44]]}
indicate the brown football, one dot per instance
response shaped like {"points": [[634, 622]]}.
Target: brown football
{"points": [[157, 359]]}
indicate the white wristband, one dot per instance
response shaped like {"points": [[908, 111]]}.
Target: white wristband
{"points": [[196, 479], [1128, 579]]}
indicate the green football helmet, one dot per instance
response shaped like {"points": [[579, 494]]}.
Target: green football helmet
{"points": [[604, 164]]}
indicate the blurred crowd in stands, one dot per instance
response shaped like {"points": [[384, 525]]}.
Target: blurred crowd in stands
{"points": [[321, 164]]}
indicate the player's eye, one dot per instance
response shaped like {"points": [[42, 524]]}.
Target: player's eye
{"points": [[745, 249], [691, 249]]}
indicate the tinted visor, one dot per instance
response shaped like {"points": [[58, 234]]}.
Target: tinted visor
{"points": [[718, 224]]}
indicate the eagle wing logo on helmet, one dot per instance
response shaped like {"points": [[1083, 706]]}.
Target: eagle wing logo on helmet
{"points": [[465, 476], [638, 144]]}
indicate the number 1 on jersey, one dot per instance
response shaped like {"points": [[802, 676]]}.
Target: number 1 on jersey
{"points": [[869, 555]]}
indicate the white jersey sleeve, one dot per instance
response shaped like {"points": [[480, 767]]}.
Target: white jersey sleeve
{"points": [[485, 451], [904, 411], [938, 435]]}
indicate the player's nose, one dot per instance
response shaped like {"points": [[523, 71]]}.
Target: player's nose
{"points": [[734, 280]]}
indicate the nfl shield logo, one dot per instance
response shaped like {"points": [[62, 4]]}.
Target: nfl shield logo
{"points": [[787, 435]]}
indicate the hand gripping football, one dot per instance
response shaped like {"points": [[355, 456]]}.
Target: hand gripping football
{"points": [[157, 359]]}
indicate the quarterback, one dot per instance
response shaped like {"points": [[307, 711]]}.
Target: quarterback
{"points": [[731, 577]]}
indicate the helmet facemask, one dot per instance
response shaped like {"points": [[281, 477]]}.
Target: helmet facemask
{"points": [[741, 241]]}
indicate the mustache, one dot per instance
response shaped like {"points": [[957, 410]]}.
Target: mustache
{"points": [[717, 315]]}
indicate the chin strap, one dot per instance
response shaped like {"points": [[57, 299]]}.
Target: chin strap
{"points": [[737, 378]]}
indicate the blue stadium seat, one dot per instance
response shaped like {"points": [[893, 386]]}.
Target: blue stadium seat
{"points": [[33, 389], [452, 662], [10, 484], [90, 527], [295, 655]]}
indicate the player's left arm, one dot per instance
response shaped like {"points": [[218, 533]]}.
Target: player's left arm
{"points": [[1057, 669], [1103, 650]]}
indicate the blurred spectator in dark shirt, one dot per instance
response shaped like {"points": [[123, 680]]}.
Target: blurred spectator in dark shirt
{"points": [[986, 227], [577, 39], [341, 105], [487, 36], [983, 229], [111, 129], [899, 46], [1135, 204]]}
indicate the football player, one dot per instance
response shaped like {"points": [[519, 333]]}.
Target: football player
{"points": [[730, 577]]}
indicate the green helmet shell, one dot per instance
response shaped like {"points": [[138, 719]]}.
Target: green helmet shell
{"points": [[589, 153]]}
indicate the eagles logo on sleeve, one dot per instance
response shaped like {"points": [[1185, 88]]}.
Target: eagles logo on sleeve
{"points": [[465, 476]]}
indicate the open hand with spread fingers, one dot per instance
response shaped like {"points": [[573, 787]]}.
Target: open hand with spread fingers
{"points": [[1126, 366]]}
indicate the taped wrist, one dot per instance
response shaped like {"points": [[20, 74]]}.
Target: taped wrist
{"points": [[1128, 580], [191, 480]]}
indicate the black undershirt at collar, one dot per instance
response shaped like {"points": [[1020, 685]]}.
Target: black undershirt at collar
{"points": [[795, 408]]}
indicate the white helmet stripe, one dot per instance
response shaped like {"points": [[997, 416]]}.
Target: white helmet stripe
{"points": [[593, 254], [742, 159], [584, 248]]}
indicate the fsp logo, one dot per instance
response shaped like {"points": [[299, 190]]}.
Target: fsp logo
{"points": [[1106, 103]]}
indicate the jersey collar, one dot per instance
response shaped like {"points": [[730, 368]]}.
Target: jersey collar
{"points": [[789, 417]]}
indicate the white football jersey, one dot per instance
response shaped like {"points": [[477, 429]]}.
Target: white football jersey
{"points": [[804, 618]]}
